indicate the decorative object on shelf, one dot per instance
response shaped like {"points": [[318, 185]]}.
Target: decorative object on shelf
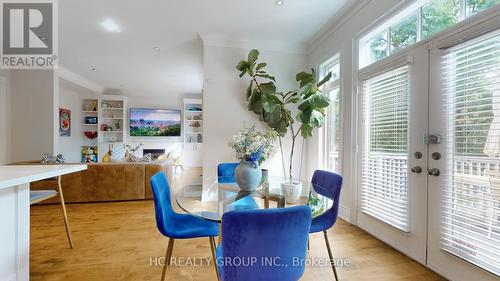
{"points": [[109, 128], [194, 117], [189, 118], [194, 108], [113, 138], [91, 120], [104, 127], [199, 138], [252, 149], [89, 155], [195, 125], [275, 108], [117, 125], [90, 134], [64, 122], [105, 105]]}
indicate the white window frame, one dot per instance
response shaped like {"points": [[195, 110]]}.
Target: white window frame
{"points": [[408, 8], [325, 134]]}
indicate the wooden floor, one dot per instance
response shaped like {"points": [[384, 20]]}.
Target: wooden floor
{"points": [[116, 241]]}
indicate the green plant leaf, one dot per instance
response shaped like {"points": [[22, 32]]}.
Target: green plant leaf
{"points": [[242, 66], [261, 66], [253, 56], [324, 80], [249, 91], [266, 76], [304, 78], [268, 88]]}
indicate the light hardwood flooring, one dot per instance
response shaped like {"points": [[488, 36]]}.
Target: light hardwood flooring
{"points": [[116, 241]]}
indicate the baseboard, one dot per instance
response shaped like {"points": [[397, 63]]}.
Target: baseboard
{"points": [[345, 213]]}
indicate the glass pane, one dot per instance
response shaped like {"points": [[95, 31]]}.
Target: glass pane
{"points": [[475, 6], [439, 14], [404, 34], [378, 47], [384, 188], [471, 195], [333, 134], [335, 70]]}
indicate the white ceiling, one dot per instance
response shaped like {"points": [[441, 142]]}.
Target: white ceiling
{"points": [[127, 60]]}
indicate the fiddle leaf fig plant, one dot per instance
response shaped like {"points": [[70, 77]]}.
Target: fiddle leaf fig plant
{"points": [[276, 108]]}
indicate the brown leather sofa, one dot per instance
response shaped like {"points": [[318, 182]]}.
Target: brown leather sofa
{"points": [[105, 182]]}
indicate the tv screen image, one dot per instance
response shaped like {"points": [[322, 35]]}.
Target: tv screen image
{"points": [[155, 122]]}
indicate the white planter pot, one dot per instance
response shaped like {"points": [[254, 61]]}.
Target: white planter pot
{"points": [[292, 191]]}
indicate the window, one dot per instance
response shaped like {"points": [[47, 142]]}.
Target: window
{"points": [[384, 188], [471, 195], [332, 126], [418, 21]]}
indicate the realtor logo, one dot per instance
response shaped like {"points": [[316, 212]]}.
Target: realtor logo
{"points": [[28, 38]]}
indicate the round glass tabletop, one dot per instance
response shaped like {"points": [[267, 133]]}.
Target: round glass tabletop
{"points": [[227, 196]]}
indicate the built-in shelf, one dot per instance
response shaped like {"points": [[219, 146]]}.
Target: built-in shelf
{"points": [[86, 111], [112, 108], [193, 111], [84, 124], [112, 131], [113, 118]]}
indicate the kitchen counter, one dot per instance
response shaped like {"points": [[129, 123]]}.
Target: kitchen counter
{"points": [[15, 214]]}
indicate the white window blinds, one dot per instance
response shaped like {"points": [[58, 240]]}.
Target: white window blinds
{"points": [[384, 189], [471, 206]]}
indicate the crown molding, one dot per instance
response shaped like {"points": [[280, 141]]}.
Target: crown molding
{"points": [[217, 40], [336, 22], [79, 80]]}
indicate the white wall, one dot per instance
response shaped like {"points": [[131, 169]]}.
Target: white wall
{"points": [[33, 114], [4, 119], [70, 146], [342, 39], [225, 107]]}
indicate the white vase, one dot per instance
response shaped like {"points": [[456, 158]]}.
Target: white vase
{"points": [[292, 191]]}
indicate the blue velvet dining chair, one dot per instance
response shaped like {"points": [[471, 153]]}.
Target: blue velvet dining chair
{"points": [[226, 174], [264, 244], [177, 226], [329, 185]]}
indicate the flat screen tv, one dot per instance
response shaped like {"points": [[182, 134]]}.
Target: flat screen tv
{"points": [[155, 122]]}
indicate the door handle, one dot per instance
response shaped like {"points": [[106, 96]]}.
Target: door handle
{"points": [[433, 172], [416, 170]]}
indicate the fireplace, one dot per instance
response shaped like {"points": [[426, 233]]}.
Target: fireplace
{"points": [[155, 153]]}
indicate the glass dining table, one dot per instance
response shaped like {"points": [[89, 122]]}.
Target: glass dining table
{"points": [[227, 196]]}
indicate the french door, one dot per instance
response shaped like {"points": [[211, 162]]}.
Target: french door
{"points": [[393, 107], [464, 198], [429, 173]]}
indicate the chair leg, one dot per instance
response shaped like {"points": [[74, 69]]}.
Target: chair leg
{"points": [[332, 262], [63, 205], [214, 256], [168, 256]]}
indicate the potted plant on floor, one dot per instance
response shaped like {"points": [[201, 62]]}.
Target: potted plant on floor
{"points": [[252, 148], [275, 108]]}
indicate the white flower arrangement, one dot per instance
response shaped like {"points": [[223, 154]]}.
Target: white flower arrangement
{"points": [[252, 145]]}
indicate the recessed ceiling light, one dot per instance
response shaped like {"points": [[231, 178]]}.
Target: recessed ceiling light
{"points": [[157, 49], [280, 2], [111, 26], [94, 69]]}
